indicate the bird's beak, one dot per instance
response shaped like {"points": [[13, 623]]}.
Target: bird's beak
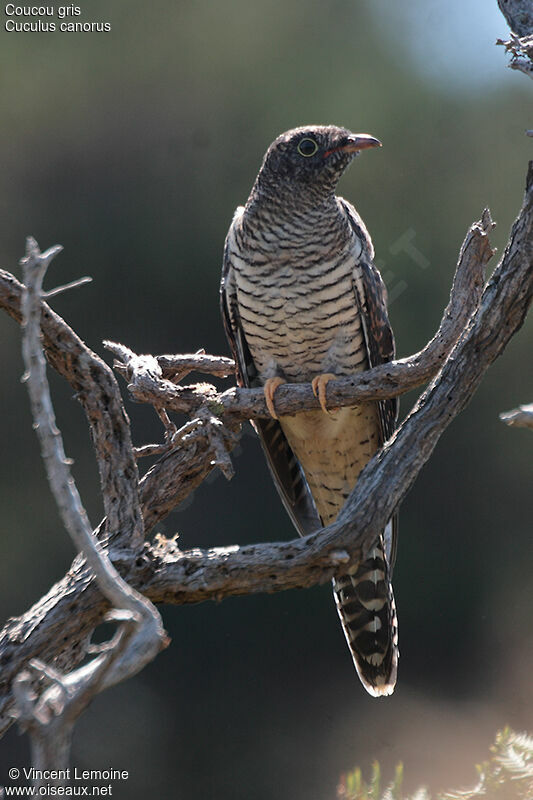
{"points": [[355, 143]]}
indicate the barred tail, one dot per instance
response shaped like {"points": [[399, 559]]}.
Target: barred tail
{"points": [[365, 603]]}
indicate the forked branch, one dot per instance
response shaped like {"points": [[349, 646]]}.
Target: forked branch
{"points": [[49, 716], [162, 572], [387, 380]]}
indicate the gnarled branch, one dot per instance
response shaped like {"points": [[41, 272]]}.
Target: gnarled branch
{"points": [[164, 573], [519, 16], [49, 717], [97, 390], [384, 381]]}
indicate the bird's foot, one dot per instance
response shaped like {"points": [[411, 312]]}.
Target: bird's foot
{"points": [[271, 384], [319, 384]]}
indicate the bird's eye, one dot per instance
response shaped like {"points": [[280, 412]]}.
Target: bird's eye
{"points": [[307, 147]]}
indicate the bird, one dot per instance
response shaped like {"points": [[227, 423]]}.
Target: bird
{"points": [[302, 301]]}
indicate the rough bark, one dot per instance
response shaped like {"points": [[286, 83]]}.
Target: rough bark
{"points": [[519, 15], [48, 702], [97, 390], [57, 626], [147, 380]]}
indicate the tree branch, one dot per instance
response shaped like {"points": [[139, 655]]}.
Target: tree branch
{"points": [[519, 15], [164, 573], [49, 718], [97, 390], [521, 50], [174, 366], [387, 380], [196, 575]]}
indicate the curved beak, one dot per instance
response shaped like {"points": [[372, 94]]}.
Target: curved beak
{"points": [[354, 143]]}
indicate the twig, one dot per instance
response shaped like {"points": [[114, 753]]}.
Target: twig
{"points": [[221, 439], [97, 390], [220, 366], [521, 50], [66, 286], [141, 636], [171, 443], [147, 450]]}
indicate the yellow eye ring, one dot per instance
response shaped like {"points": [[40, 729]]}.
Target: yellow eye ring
{"points": [[307, 147]]}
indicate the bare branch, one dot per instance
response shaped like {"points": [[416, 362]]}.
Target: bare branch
{"points": [[61, 482], [146, 373], [49, 718], [521, 50], [164, 573], [387, 380], [177, 473], [173, 366], [97, 390], [176, 439], [473, 332], [221, 440], [519, 15], [66, 286], [220, 366], [196, 575]]}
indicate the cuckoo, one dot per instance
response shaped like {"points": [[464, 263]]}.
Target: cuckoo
{"points": [[303, 302]]}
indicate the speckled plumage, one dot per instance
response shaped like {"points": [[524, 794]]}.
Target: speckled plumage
{"points": [[301, 297]]}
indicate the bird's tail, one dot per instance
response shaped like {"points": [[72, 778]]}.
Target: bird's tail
{"points": [[365, 603]]}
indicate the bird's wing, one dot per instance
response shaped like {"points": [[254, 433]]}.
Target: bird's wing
{"points": [[284, 466], [371, 296]]}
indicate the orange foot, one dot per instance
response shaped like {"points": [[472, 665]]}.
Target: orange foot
{"points": [[271, 384], [319, 388]]}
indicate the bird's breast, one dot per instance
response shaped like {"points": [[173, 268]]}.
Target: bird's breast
{"points": [[300, 315]]}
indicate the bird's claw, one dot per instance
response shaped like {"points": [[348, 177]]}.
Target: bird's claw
{"points": [[319, 384], [271, 384]]}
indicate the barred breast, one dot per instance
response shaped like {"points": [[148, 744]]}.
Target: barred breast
{"points": [[300, 317]]}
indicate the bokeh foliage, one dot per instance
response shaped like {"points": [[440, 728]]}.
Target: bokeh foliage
{"points": [[506, 775]]}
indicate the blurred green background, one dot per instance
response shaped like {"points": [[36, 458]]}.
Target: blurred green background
{"points": [[132, 148]]}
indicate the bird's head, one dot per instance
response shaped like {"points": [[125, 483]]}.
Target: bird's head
{"points": [[311, 159]]}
